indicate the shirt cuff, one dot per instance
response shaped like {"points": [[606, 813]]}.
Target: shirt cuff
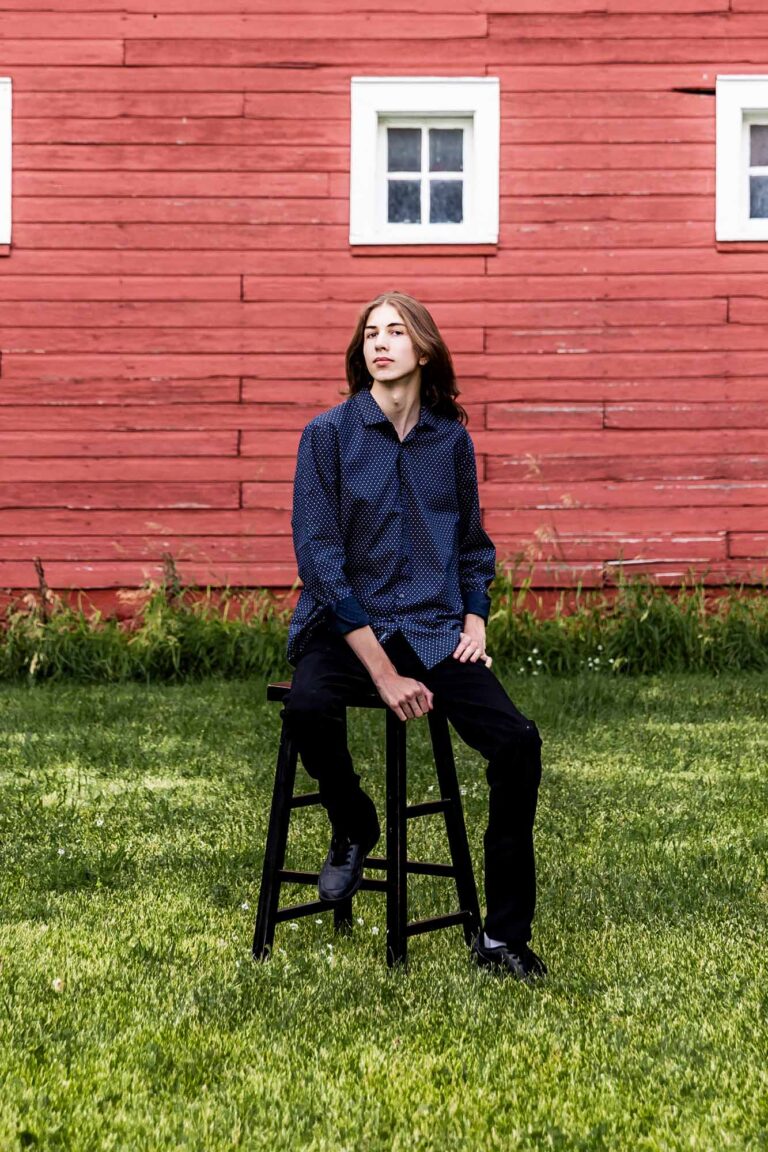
{"points": [[348, 614], [477, 602]]}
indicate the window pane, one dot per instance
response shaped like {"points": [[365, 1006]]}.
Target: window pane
{"points": [[758, 140], [404, 202], [445, 201], [446, 150], [404, 149], [758, 197]]}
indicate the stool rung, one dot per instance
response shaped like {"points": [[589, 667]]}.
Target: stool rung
{"points": [[291, 876], [416, 927], [304, 799], [394, 868], [295, 911], [423, 867], [427, 808]]}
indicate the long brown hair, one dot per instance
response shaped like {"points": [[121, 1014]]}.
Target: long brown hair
{"points": [[438, 379]]}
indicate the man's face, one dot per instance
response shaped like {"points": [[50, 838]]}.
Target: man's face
{"points": [[390, 355]]}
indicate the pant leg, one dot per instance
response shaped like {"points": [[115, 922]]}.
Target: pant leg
{"points": [[326, 674], [486, 719]]}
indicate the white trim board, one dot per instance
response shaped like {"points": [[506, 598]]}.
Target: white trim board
{"points": [[741, 100], [465, 98]]}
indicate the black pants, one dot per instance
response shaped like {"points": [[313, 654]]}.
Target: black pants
{"points": [[484, 717]]}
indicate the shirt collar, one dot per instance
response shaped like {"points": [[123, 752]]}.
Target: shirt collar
{"points": [[372, 414]]}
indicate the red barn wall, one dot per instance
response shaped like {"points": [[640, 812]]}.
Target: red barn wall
{"points": [[180, 288]]}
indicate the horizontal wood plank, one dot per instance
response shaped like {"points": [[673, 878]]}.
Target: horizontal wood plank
{"points": [[148, 469], [136, 495], [625, 466], [31, 443], [688, 415], [623, 495], [131, 574]]}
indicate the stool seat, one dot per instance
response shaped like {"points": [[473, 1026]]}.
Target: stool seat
{"points": [[395, 864]]}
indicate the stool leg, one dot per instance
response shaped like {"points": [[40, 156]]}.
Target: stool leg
{"points": [[342, 912], [342, 915], [454, 822], [397, 844], [274, 855]]}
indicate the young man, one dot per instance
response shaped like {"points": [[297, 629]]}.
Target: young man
{"points": [[396, 568]]}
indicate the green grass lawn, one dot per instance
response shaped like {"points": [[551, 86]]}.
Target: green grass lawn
{"points": [[132, 1017]]}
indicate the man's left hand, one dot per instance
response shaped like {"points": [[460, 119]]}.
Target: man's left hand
{"points": [[471, 646]]}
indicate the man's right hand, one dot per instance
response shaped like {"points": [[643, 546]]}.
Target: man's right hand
{"points": [[407, 698]]}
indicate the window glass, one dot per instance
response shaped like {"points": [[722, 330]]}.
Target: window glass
{"points": [[404, 202], [404, 149], [446, 150], [445, 202], [758, 140], [758, 197]]}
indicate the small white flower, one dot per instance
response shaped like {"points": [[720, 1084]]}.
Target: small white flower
{"points": [[293, 926], [318, 920], [61, 851], [281, 951], [534, 673], [245, 905], [99, 822], [521, 669], [599, 647], [329, 947], [374, 930], [463, 791], [221, 942], [535, 651], [57, 984], [539, 662], [360, 920], [431, 788]]}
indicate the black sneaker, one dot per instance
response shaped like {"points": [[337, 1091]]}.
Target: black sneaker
{"points": [[513, 959], [342, 872]]}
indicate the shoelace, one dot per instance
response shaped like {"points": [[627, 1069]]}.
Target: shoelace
{"points": [[340, 851]]}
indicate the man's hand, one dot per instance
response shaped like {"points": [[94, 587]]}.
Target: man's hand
{"points": [[471, 646], [407, 698]]}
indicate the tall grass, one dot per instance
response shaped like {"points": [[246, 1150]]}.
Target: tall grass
{"points": [[179, 633], [638, 627]]}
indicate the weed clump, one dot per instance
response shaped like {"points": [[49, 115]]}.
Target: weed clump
{"points": [[179, 632]]}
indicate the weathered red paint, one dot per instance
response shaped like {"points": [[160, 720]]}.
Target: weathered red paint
{"points": [[180, 289]]}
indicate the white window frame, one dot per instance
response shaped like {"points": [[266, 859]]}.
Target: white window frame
{"points": [[741, 101], [424, 101], [5, 160]]}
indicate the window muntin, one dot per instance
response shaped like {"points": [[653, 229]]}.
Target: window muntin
{"points": [[424, 160], [424, 171]]}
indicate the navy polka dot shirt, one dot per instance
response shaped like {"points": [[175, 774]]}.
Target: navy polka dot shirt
{"points": [[388, 533]]}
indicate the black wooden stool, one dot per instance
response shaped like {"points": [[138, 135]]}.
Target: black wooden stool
{"points": [[396, 865]]}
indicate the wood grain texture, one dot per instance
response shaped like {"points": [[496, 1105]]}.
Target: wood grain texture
{"points": [[180, 290]]}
